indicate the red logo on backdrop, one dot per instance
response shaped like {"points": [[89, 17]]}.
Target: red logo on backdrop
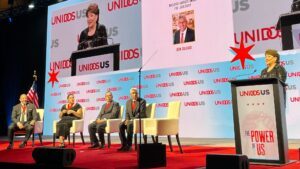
{"points": [[179, 94], [286, 63], [162, 105], [193, 82], [54, 110], [64, 85], [295, 99], [294, 74], [194, 103], [125, 79], [152, 76], [53, 77], [129, 54], [83, 83], [261, 34], [63, 18], [62, 64], [83, 100], [140, 86], [165, 84], [102, 99], [209, 92], [255, 92], [123, 98], [183, 73], [221, 80], [152, 96], [55, 94], [208, 70], [119, 4], [242, 53], [184, 48], [62, 101], [114, 89], [222, 102], [254, 77], [235, 68], [93, 91], [102, 81], [73, 92], [92, 108]]}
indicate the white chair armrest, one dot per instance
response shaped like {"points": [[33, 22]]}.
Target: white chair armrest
{"points": [[54, 125], [77, 126], [38, 127], [161, 127], [136, 125], [112, 125]]}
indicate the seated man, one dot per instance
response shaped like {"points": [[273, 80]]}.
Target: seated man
{"points": [[109, 110], [69, 112], [23, 116], [135, 106]]}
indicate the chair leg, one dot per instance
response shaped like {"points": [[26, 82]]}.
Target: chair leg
{"points": [[135, 141], [170, 143], [156, 139], [153, 139], [82, 139], [32, 139], [108, 140], [40, 137], [69, 137], [54, 137], [73, 139], [145, 139], [178, 142]]}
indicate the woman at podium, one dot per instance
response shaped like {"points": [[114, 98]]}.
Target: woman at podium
{"points": [[95, 34], [273, 69]]}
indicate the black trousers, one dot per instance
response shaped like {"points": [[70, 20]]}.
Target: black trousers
{"points": [[129, 128], [64, 125], [97, 128], [13, 127]]}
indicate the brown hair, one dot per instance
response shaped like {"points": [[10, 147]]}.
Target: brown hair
{"points": [[274, 53], [93, 8]]}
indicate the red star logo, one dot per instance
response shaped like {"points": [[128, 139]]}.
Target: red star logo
{"points": [[53, 77], [242, 53]]}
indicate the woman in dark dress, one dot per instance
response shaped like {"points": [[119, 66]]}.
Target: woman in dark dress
{"points": [[69, 112], [95, 34], [273, 69]]}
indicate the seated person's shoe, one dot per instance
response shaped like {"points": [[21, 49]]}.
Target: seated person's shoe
{"points": [[127, 148], [102, 146], [94, 146], [9, 147], [23, 144], [121, 149]]}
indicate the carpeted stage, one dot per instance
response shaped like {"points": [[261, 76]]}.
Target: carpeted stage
{"points": [[193, 157]]}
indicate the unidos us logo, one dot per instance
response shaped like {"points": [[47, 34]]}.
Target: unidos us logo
{"points": [[254, 92], [67, 17]]}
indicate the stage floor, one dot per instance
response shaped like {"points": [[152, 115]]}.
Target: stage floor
{"points": [[195, 151]]}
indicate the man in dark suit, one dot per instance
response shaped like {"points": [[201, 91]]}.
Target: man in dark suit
{"points": [[23, 116], [184, 34], [135, 106], [110, 110]]}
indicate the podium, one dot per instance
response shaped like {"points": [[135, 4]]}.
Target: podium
{"points": [[285, 23], [95, 60], [259, 120]]}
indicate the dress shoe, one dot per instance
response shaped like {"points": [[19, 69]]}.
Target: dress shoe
{"points": [[127, 148], [121, 149], [23, 144], [94, 146], [9, 147], [62, 145], [102, 146]]}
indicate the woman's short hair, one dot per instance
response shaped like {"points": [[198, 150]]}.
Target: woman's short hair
{"points": [[273, 53], [93, 8]]}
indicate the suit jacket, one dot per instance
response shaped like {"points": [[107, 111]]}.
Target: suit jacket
{"points": [[98, 39], [134, 114], [111, 113], [189, 36], [31, 113]]}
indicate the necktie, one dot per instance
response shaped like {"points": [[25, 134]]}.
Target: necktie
{"points": [[107, 106], [133, 105], [181, 38], [23, 113]]}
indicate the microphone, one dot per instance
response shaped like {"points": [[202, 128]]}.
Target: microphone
{"points": [[247, 74], [91, 43], [112, 40]]}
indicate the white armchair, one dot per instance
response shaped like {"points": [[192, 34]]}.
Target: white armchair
{"points": [[112, 125], [150, 112], [77, 127], [165, 126]]}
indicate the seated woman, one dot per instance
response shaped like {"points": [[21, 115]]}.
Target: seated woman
{"points": [[69, 112]]}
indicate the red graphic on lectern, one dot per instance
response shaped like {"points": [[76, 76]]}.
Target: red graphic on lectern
{"points": [[242, 53], [53, 77]]}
